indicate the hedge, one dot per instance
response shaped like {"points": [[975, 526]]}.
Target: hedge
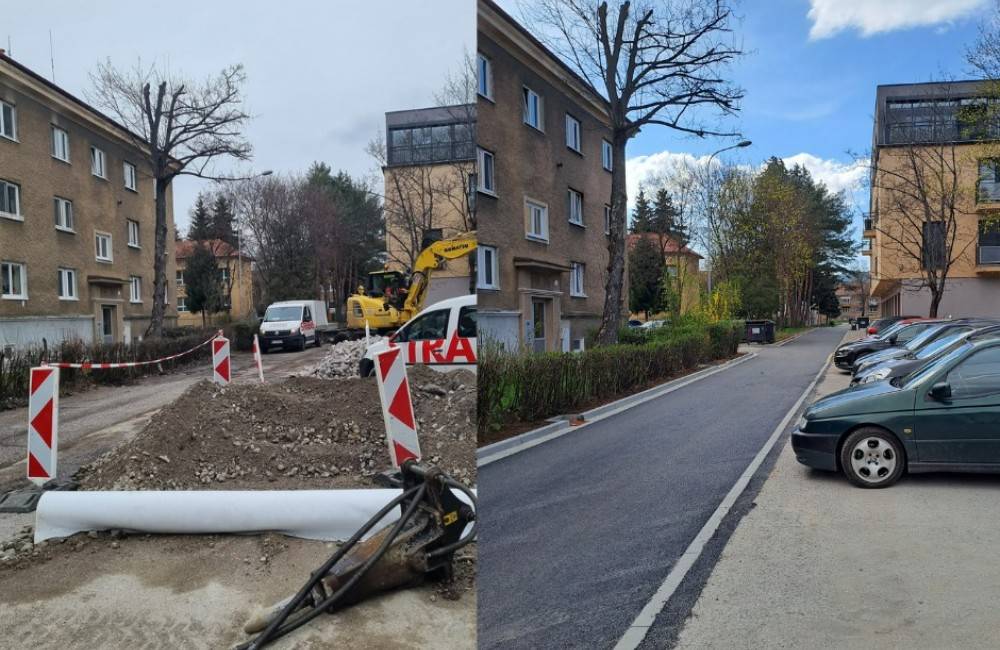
{"points": [[524, 387]]}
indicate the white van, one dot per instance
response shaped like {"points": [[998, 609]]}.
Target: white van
{"points": [[291, 324], [442, 336]]}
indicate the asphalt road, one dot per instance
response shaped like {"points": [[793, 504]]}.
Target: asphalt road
{"points": [[578, 533]]}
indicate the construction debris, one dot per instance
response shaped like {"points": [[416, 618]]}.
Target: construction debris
{"points": [[343, 358]]}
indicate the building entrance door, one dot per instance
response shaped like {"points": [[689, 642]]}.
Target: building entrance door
{"points": [[108, 323], [538, 323]]}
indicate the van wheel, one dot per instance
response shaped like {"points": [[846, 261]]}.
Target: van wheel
{"points": [[366, 368], [318, 342], [872, 458]]}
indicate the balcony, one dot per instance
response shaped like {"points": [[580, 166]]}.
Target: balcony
{"points": [[866, 246], [988, 258], [869, 224]]}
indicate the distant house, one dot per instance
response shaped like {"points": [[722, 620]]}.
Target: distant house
{"points": [[681, 263], [235, 275]]}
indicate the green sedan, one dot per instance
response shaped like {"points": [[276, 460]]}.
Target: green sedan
{"points": [[944, 416]]}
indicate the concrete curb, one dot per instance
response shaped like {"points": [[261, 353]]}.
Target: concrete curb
{"points": [[559, 426]]}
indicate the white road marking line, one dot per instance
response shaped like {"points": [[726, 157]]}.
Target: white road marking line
{"points": [[635, 634], [647, 395]]}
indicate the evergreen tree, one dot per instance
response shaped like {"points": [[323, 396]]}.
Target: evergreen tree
{"points": [[201, 282], [666, 218], [222, 221], [201, 222], [642, 214], [645, 272]]}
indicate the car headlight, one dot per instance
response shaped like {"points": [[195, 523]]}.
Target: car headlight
{"points": [[801, 424]]}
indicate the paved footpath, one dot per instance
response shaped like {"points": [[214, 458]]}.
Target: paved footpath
{"points": [[578, 533], [819, 563]]}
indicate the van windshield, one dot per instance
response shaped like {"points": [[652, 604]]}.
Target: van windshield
{"points": [[279, 313]]}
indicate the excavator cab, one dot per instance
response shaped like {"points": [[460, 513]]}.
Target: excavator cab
{"points": [[392, 286]]}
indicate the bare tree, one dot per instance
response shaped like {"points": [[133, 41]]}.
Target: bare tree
{"points": [[657, 63], [182, 128]]}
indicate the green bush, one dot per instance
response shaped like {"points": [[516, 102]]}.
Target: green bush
{"points": [[241, 333], [523, 387]]}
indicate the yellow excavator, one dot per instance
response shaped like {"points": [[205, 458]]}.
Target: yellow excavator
{"points": [[391, 298]]}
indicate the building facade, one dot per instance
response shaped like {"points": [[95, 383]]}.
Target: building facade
{"points": [[429, 166], [77, 219], [681, 264], [235, 279], [934, 127], [544, 191]]}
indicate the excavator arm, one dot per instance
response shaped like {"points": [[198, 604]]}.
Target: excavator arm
{"points": [[429, 260]]}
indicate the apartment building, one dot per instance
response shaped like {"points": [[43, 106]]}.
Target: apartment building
{"points": [[935, 123], [544, 191], [235, 279], [77, 219], [428, 171]]}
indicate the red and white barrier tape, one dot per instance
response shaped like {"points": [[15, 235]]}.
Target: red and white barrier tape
{"points": [[127, 364]]}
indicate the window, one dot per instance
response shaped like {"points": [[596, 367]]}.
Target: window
{"points": [[575, 207], [532, 105], [10, 200], [467, 322], [432, 143], [538, 220], [484, 76], [135, 288], [487, 183], [67, 284], [129, 170], [934, 250], [63, 213], [180, 278], [976, 376], [97, 167], [572, 133], [989, 181], [8, 121], [102, 241], [432, 326], [606, 156], [14, 281], [133, 233], [60, 144], [576, 274], [224, 277], [607, 219], [487, 268], [182, 303]]}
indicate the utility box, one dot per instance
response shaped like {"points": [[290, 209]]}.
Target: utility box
{"points": [[760, 331]]}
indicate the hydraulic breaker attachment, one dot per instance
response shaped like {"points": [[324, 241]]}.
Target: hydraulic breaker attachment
{"points": [[421, 543]]}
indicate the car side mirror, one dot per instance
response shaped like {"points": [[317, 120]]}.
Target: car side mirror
{"points": [[941, 391]]}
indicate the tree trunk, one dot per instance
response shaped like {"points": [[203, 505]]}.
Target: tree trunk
{"points": [[936, 296], [159, 261], [612, 317]]}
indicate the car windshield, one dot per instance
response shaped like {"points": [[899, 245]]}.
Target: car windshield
{"points": [[286, 312], [930, 368], [943, 343], [889, 331], [922, 338]]}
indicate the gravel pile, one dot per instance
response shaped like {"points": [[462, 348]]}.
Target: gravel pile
{"points": [[342, 358], [303, 433]]}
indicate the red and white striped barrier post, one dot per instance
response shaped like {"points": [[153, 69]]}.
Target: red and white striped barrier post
{"points": [[43, 424], [220, 361], [257, 359], [397, 407]]}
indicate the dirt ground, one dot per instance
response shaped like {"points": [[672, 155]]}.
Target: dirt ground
{"points": [[110, 590]]}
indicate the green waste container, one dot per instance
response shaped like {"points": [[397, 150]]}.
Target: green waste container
{"points": [[760, 331]]}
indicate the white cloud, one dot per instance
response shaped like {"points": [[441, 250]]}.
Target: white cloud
{"points": [[869, 17], [836, 175]]}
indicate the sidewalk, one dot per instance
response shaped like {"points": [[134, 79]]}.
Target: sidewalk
{"points": [[820, 563]]}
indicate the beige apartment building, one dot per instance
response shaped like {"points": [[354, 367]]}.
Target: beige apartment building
{"points": [[928, 118], [429, 166], [235, 279], [544, 189], [76, 219]]}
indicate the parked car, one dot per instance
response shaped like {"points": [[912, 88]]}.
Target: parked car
{"points": [[898, 334], [883, 323], [888, 370], [442, 336], [944, 416], [291, 324], [918, 342], [634, 323], [654, 324]]}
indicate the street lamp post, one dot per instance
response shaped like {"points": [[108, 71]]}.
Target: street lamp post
{"points": [[711, 190]]}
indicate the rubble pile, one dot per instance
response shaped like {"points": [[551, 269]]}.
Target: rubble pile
{"points": [[302, 433], [342, 358]]}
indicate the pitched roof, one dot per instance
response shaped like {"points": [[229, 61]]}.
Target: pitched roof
{"points": [[669, 244], [185, 248]]}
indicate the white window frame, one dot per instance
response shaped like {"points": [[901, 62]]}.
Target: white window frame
{"points": [[13, 122], [133, 242], [543, 234], [574, 200], [607, 219], [16, 216], [607, 155], [574, 139], [527, 95], [182, 304], [482, 264], [484, 76], [98, 162], [135, 289], [110, 247], [577, 274], [67, 280], [62, 212], [179, 278], [130, 174], [6, 270], [484, 187], [60, 143]]}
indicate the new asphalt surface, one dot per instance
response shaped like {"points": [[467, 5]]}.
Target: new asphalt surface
{"points": [[578, 533]]}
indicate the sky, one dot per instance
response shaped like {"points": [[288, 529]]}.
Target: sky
{"points": [[320, 75]]}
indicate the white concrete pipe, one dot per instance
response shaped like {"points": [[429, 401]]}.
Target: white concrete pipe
{"points": [[312, 514]]}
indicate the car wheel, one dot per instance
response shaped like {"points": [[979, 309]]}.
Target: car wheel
{"points": [[263, 349], [872, 458], [366, 368]]}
